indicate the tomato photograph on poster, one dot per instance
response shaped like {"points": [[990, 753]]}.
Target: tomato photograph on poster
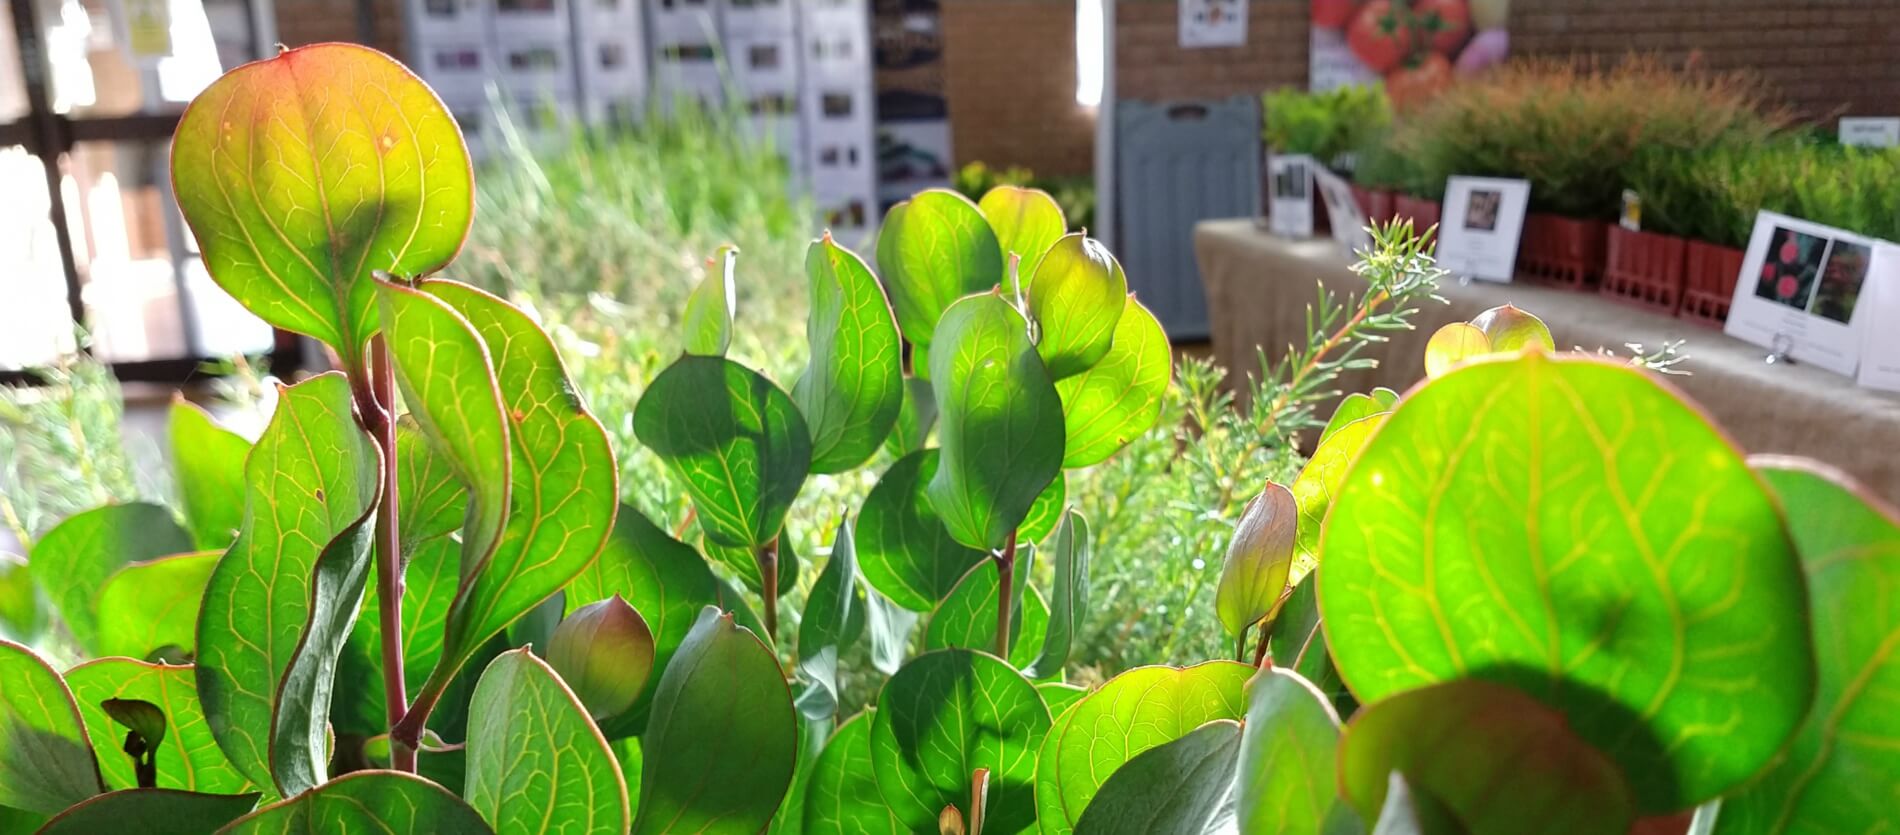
{"points": [[1415, 47]]}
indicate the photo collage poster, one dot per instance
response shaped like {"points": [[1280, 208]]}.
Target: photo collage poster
{"points": [[1800, 292], [1415, 48]]}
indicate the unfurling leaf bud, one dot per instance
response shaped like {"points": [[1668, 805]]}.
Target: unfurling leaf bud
{"points": [[604, 651], [1511, 329], [1258, 559], [950, 821]]}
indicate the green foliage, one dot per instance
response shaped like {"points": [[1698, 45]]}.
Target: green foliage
{"points": [[45, 758], [943, 717], [74, 559], [1712, 193], [1176, 788], [365, 801], [1324, 125], [1287, 757], [210, 463], [535, 759], [853, 389], [151, 812], [187, 758]]}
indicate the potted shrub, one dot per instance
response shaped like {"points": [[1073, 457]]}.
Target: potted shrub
{"points": [[1378, 174], [1327, 126], [1645, 264]]}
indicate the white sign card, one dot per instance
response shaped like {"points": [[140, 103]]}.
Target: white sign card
{"points": [[1880, 310], [1483, 221], [1290, 197], [1799, 289], [1870, 132], [1213, 23], [1348, 218]]}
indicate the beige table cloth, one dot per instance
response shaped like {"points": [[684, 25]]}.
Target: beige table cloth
{"points": [[1259, 286]]}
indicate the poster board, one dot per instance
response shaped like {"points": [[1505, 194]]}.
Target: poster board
{"points": [[1413, 47], [1482, 226], [1799, 292]]}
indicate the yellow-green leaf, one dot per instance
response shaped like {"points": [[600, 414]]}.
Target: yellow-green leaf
{"points": [[432, 502], [1118, 398], [151, 812], [304, 173], [448, 382], [536, 763], [74, 559], [45, 755], [22, 612], [1175, 788], [280, 602], [851, 392], [1027, 221], [208, 461], [933, 249], [1319, 482], [1570, 527], [1453, 345], [1288, 777], [188, 758], [148, 605], [1076, 296], [915, 418], [711, 306], [365, 801]]}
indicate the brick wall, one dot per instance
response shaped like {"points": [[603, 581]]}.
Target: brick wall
{"points": [[1010, 80], [1151, 65], [301, 22]]}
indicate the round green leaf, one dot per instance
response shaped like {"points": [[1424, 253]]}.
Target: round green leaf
{"points": [[851, 392], [365, 801], [1175, 788], [1287, 756], [711, 306], [915, 418], [933, 249], [1453, 345], [188, 757], [430, 500], [1510, 328], [1060, 696], [448, 382], [942, 717], [967, 615], [536, 763], [1027, 221], [723, 735], [1118, 398], [735, 441], [903, 547], [22, 615], [1046, 513], [1001, 422], [148, 605], [74, 559], [1076, 297], [842, 797], [1354, 407], [1319, 482], [45, 755], [151, 812], [302, 174], [1840, 771], [1527, 521], [208, 463], [280, 602], [1493, 756], [1133, 712], [565, 487]]}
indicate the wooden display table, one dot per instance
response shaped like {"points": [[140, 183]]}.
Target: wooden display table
{"points": [[1258, 289]]}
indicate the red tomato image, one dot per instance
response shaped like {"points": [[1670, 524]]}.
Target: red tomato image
{"points": [[1332, 14], [1444, 24], [1418, 81], [1379, 36]]}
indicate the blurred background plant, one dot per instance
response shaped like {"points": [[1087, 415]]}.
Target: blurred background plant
{"points": [[1076, 195], [1712, 193], [62, 450], [1330, 126]]}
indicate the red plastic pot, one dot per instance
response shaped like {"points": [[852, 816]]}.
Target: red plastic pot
{"points": [[1423, 213], [1376, 203], [1645, 269], [1562, 251], [1709, 273]]}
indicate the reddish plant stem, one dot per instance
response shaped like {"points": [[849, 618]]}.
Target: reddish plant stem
{"points": [[379, 415], [768, 579], [1005, 580]]}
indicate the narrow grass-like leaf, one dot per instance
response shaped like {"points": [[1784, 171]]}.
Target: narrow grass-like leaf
{"points": [[1287, 778], [942, 717], [304, 173], [853, 389], [448, 382], [188, 758], [933, 249], [74, 559], [723, 735], [1118, 398], [280, 603], [903, 547], [842, 796], [46, 759], [1001, 422], [536, 763], [208, 462], [667, 582], [1516, 521], [1494, 757], [1840, 771], [365, 801], [1027, 221], [1133, 712], [1069, 600], [825, 630], [151, 812], [565, 489], [1175, 788], [706, 324], [735, 441], [1076, 297], [148, 605]]}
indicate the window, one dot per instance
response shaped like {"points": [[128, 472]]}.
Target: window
{"points": [[1088, 52]]}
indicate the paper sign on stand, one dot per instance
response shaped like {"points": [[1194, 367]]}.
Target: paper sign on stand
{"points": [[1348, 218], [1880, 308], [1800, 292], [1290, 201], [1482, 225], [1870, 131]]}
